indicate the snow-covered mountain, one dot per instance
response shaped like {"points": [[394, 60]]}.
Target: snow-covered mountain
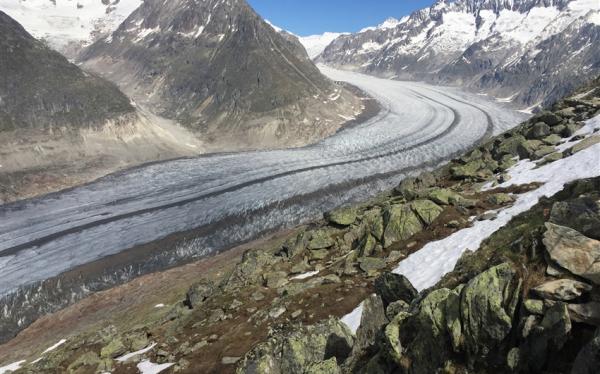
{"points": [[529, 52], [316, 44], [67, 25]]}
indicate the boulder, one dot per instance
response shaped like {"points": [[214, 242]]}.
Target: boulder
{"points": [[294, 351], [372, 319], [250, 269], [392, 345], [500, 199], [366, 246], [552, 139], [538, 131], [324, 367], [318, 254], [546, 338], [534, 306], [321, 239], [551, 158], [549, 118], [527, 148], [198, 293], [373, 221], [89, 360], [562, 290], [470, 170], [588, 358], [342, 217], [275, 279], [423, 334], [581, 214], [542, 152], [396, 307], [443, 196], [371, 265], [588, 313], [114, 349], [400, 224], [296, 246], [487, 305], [584, 144], [393, 287], [410, 187], [509, 146], [427, 210], [573, 251]]}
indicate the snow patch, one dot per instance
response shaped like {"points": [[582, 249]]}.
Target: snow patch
{"points": [[305, 275], [61, 342], [147, 367], [11, 367], [136, 353], [352, 319]]}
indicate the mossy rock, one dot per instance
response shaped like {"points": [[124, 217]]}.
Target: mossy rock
{"points": [[343, 216], [427, 210], [373, 221], [324, 367], [443, 196], [87, 361], [400, 224], [500, 199], [552, 139], [488, 304], [113, 349], [321, 239]]}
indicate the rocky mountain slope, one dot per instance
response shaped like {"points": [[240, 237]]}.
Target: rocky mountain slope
{"points": [[527, 52], [57, 121], [220, 70], [526, 299], [67, 26]]}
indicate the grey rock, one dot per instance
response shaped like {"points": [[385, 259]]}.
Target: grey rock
{"points": [[393, 287], [198, 293], [588, 313], [573, 251], [588, 359], [562, 289]]}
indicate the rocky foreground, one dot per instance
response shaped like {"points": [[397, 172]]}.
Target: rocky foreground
{"points": [[527, 300]]}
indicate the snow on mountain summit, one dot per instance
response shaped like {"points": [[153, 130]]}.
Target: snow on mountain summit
{"points": [[532, 51], [316, 44], [68, 25]]}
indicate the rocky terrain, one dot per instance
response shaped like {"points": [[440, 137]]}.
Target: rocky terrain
{"points": [[526, 52], [526, 299], [220, 70]]}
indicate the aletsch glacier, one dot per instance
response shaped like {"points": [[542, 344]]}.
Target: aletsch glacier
{"points": [[238, 196]]}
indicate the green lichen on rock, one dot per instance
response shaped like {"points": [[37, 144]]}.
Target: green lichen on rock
{"points": [[400, 224], [373, 221], [427, 210], [321, 239], [488, 305], [343, 216]]}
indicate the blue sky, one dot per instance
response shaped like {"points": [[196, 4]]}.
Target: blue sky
{"points": [[307, 17]]}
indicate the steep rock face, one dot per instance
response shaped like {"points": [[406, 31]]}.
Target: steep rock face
{"points": [[61, 126], [40, 89], [529, 52], [218, 68]]}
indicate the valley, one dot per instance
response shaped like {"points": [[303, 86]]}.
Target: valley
{"points": [[235, 197]]}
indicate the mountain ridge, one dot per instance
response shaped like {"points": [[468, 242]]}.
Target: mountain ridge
{"points": [[514, 49], [219, 69]]}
